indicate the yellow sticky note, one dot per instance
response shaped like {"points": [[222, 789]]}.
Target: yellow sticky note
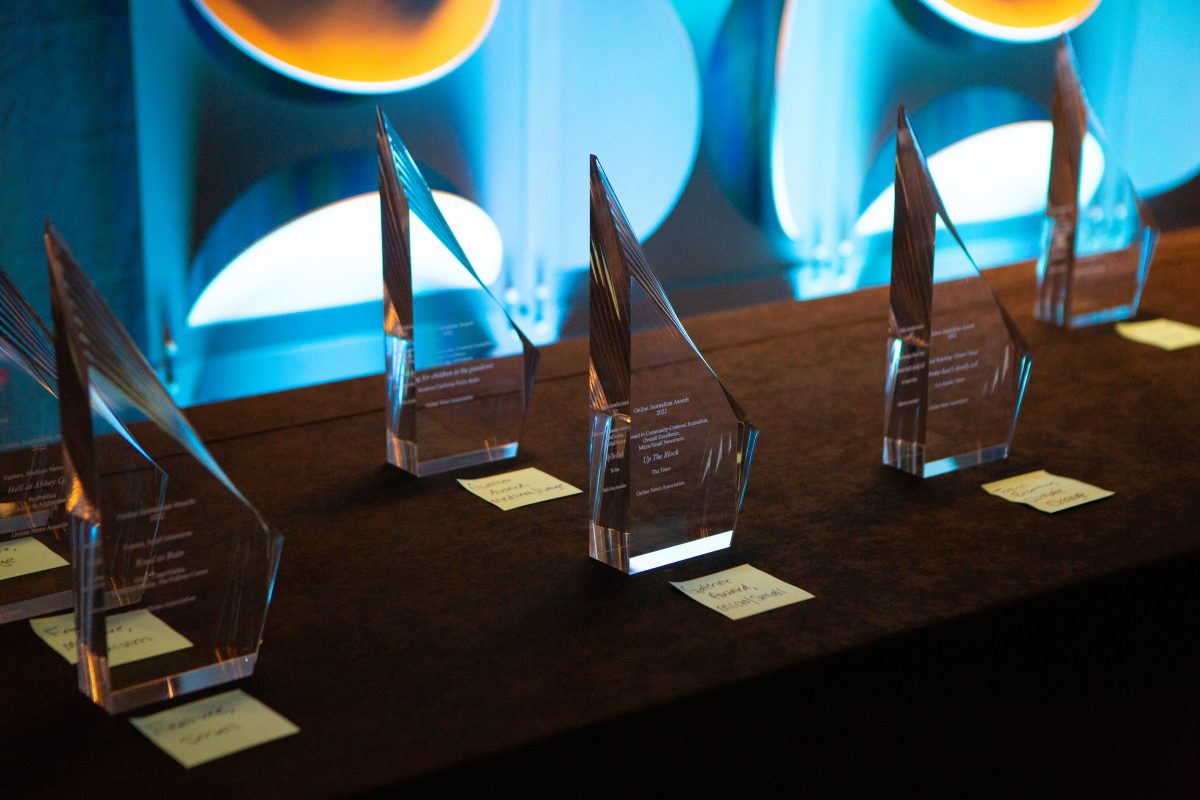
{"points": [[24, 556], [1164, 333], [214, 727], [741, 592], [1046, 492], [132, 636], [519, 488]]}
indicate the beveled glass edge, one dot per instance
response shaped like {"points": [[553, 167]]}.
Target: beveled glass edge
{"points": [[611, 548], [36, 606], [472, 458], [167, 688]]}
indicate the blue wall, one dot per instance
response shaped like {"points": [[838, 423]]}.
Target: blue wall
{"points": [[67, 149], [134, 127]]}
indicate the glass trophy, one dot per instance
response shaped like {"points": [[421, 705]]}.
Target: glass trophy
{"points": [[173, 568], [670, 447], [35, 574], [459, 370], [957, 366], [1098, 239]]}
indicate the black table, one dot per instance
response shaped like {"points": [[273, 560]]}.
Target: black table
{"points": [[422, 638]]}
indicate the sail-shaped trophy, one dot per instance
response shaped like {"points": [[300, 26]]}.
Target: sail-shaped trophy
{"points": [[957, 366], [459, 370], [1099, 238], [670, 447], [35, 577], [163, 544]]}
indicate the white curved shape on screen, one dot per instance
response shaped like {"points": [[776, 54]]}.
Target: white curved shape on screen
{"points": [[1000, 173], [332, 256]]}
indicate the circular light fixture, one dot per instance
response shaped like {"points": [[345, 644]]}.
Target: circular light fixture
{"points": [[999, 173], [330, 257], [354, 46], [1014, 20]]}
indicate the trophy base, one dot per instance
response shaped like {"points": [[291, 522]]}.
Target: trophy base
{"points": [[1104, 287], [909, 457], [403, 455], [121, 700], [1089, 318], [611, 547]]}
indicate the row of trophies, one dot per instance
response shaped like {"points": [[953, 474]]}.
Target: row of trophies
{"points": [[102, 469]]}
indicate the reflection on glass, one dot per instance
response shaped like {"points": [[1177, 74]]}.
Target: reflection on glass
{"points": [[957, 366], [459, 370], [155, 524], [670, 447], [1097, 249], [34, 551]]}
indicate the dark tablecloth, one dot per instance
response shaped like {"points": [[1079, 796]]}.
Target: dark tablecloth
{"points": [[421, 637]]}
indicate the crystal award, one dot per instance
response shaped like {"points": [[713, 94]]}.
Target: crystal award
{"points": [[957, 366], [459, 370], [1099, 238], [670, 447], [35, 576], [173, 567]]}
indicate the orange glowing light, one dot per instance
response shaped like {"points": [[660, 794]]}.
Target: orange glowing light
{"points": [[1025, 13], [355, 45], [1015, 20]]}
